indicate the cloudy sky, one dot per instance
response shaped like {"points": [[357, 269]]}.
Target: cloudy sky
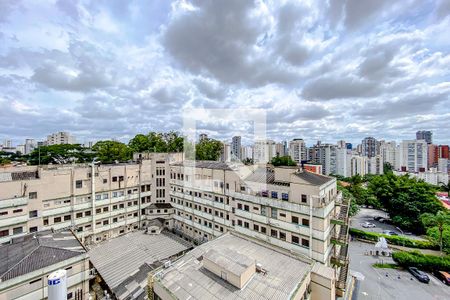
{"points": [[340, 70]]}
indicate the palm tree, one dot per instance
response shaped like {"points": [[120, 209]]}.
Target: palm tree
{"points": [[439, 220], [445, 186]]}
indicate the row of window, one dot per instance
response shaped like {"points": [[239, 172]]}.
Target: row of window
{"points": [[274, 214], [275, 233], [205, 209], [220, 199]]}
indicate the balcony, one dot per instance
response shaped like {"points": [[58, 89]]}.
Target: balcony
{"points": [[13, 202], [341, 217]]}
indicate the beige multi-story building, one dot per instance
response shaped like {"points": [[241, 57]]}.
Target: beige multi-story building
{"points": [[286, 207], [59, 138], [292, 209], [110, 202]]}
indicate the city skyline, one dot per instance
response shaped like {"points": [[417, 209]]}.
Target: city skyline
{"points": [[322, 72]]}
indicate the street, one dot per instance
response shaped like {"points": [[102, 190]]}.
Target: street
{"points": [[389, 283], [367, 215]]}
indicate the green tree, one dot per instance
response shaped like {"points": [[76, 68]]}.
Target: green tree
{"points": [[439, 220], [283, 161], [60, 154], [445, 187], [112, 151], [157, 142], [208, 150], [434, 234], [140, 143]]}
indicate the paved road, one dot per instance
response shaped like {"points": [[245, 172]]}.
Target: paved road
{"points": [[399, 285], [367, 214]]}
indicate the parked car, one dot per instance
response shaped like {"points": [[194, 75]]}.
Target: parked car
{"points": [[368, 225], [385, 221], [443, 276], [421, 276], [389, 232], [377, 218]]}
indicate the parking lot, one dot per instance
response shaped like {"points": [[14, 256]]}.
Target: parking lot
{"points": [[389, 283], [367, 215]]}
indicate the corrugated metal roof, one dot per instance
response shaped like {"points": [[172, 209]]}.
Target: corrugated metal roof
{"points": [[35, 251], [313, 178], [203, 164], [121, 261], [187, 278]]}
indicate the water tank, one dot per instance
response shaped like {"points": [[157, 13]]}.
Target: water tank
{"points": [[57, 285]]}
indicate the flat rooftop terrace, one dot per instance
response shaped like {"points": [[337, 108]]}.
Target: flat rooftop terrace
{"points": [[187, 278], [124, 262]]}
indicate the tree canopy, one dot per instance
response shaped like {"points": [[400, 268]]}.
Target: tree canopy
{"points": [[112, 151], [157, 142], [208, 150], [283, 161], [59, 154]]}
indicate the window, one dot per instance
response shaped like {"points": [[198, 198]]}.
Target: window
{"points": [[114, 179], [78, 184], [3, 213], [105, 180], [282, 236], [246, 225], [274, 194], [17, 211], [120, 178], [17, 230], [294, 219], [87, 213], [305, 243], [246, 208], [115, 195], [255, 227], [263, 229], [32, 195], [274, 213], [273, 233], [45, 222], [57, 220], [33, 213], [67, 217], [283, 215], [239, 222], [33, 229], [285, 196], [4, 233], [79, 215], [69, 295], [304, 200], [105, 222], [98, 197], [98, 211], [305, 222], [295, 240], [239, 206]]}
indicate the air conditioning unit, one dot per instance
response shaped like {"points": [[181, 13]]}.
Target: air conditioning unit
{"points": [[167, 264]]}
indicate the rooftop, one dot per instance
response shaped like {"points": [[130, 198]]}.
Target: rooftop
{"points": [[187, 278], [203, 164], [313, 178], [124, 262], [36, 251]]}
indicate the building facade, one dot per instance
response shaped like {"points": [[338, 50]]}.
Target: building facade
{"points": [[425, 135], [413, 156], [236, 148], [59, 138], [297, 150]]}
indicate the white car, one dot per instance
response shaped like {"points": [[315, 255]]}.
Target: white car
{"points": [[368, 225]]}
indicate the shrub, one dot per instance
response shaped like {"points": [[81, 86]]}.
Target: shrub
{"points": [[394, 240], [421, 261]]}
